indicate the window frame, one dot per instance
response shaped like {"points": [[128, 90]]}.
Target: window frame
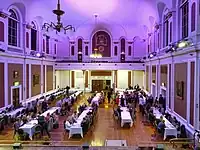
{"points": [[34, 29], [13, 20], [184, 28]]}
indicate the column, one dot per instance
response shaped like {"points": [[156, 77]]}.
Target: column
{"points": [[145, 77], [54, 76], [113, 80], [6, 83], [30, 83], [196, 94], [158, 79], [24, 79], [45, 78], [150, 79], [188, 91], [42, 77], [172, 84], [168, 87], [83, 81]]}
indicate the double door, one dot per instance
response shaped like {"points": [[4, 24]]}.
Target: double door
{"points": [[97, 85]]}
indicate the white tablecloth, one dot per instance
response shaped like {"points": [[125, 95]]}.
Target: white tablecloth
{"points": [[126, 117], [14, 112], [169, 128], [50, 111], [76, 127], [30, 126]]}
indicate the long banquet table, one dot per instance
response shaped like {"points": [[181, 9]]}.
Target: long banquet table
{"points": [[76, 127], [30, 126], [126, 117], [169, 128]]}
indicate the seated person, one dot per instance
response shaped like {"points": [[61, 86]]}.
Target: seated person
{"points": [[161, 125], [75, 115], [67, 125]]}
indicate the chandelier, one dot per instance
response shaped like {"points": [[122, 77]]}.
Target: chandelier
{"points": [[59, 26], [96, 54]]}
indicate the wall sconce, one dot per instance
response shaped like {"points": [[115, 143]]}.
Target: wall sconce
{"points": [[163, 84], [151, 55]]}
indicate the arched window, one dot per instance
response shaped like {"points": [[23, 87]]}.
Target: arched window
{"points": [[193, 17], [80, 45], [13, 22], [115, 51], [184, 8], [33, 36], [72, 50], [129, 50], [123, 45], [86, 50]]}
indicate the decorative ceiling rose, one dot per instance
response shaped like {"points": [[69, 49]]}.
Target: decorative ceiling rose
{"points": [[59, 26]]}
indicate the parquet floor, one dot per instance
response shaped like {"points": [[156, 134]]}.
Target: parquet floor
{"points": [[105, 128]]}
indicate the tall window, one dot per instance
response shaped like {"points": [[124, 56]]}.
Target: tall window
{"points": [[86, 50], [123, 45], [33, 37], [55, 49], [166, 31], [47, 44], [115, 51], [72, 50], [193, 17], [129, 50], [170, 32], [13, 28], [80, 45], [184, 18]]}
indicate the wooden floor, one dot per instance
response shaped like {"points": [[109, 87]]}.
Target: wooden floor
{"points": [[105, 128]]}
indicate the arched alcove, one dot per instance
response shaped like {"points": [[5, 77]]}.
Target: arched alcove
{"points": [[102, 41]]}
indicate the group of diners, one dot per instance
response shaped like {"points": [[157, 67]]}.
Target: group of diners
{"points": [[126, 102], [29, 120], [81, 121], [27, 109], [154, 112]]}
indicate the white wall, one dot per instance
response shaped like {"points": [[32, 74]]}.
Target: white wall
{"points": [[79, 82], [138, 78], [62, 78], [122, 76]]}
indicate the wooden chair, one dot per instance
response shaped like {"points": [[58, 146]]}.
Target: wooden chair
{"points": [[38, 131]]}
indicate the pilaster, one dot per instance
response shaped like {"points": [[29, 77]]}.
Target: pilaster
{"points": [[196, 94], [188, 91], [6, 83]]}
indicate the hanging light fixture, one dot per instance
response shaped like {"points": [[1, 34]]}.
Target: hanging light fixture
{"points": [[96, 53], [59, 26]]}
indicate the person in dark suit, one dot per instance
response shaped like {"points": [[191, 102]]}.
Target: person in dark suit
{"points": [[122, 101], [44, 106], [109, 96], [67, 90]]}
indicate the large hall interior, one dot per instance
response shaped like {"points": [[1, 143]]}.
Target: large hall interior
{"points": [[100, 74]]}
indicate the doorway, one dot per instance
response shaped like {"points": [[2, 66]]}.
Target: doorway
{"points": [[16, 95], [99, 85]]}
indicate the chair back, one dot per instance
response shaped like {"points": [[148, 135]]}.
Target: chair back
{"points": [[38, 129]]}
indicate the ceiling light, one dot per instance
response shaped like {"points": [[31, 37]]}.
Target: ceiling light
{"points": [[58, 27]]}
